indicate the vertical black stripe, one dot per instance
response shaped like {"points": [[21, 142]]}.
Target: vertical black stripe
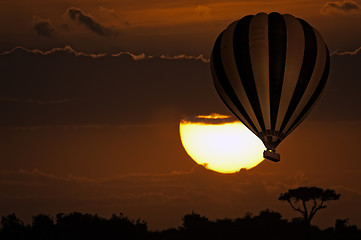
{"points": [[223, 79], [244, 66], [316, 94], [277, 45], [308, 64]]}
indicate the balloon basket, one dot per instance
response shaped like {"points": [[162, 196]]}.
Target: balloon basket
{"points": [[271, 155]]}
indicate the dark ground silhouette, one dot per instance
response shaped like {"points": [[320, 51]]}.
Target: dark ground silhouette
{"points": [[266, 225]]}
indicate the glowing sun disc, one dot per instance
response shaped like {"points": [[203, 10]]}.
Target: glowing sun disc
{"points": [[224, 147]]}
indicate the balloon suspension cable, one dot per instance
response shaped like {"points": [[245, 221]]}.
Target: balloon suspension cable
{"points": [[271, 154]]}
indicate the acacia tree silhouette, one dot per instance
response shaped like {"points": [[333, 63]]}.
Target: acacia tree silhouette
{"points": [[317, 196]]}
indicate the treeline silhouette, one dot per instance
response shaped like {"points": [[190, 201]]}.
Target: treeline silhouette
{"points": [[266, 225]]}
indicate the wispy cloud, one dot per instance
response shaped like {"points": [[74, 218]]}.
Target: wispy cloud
{"points": [[44, 27], [109, 11], [188, 185], [184, 56], [66, 49], [90, 23], [134, 56], [202, 11], [347, 53], [341, 7]]}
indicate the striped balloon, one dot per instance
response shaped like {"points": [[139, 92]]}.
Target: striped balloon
{"points": [[269, 70]]}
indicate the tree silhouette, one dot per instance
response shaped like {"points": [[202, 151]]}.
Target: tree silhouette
{"points": [[12, 228], [194, 221], [43, 227], [74, 226], [317, 196]]}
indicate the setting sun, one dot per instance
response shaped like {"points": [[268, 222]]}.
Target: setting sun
{"points": [[220, 144]]}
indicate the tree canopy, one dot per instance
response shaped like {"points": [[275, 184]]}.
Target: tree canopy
{"points": [[317, 196]]}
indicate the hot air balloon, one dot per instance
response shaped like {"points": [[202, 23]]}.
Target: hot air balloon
{"points": [[270, 70]]}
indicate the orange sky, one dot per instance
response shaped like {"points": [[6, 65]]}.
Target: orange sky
{"points": [[99, 133], [159, 26]]}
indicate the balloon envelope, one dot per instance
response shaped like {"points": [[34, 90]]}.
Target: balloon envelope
{"points": [[270, 70]]}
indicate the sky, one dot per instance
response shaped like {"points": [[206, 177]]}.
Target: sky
{"points": [[92, 93]]}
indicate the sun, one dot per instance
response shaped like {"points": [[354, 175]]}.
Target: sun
{"points": [[220, 143]]}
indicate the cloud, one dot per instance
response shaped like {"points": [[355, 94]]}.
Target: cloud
{"points": [[347, 53], [213, 118], [340, 7], [101, 87], [107, 88], [109, 11], [184, 56], [202, 11], [140, 194], [67, 50], [90, 23], [44, 27], [134, 56]]}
